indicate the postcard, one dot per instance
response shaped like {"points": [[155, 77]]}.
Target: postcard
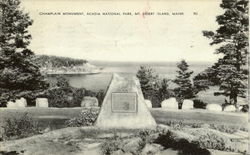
{"points": [[121, 77]]}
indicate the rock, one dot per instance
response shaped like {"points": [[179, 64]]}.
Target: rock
{"points": [[89, 102], [205, 126], [148, 103], [120, 152], [162, 127], [11, 104], [67, 143], [132, 146], [214, 107], [230, 108], [21, 103], [151, 149], [187, 104], [240, 108], [170, 103], [42, 102]]}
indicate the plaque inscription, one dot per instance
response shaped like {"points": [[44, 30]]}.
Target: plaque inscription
{"points": [[124, 102]]}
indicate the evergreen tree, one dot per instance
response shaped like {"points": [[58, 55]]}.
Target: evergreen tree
{"points": [[185, 88], [148, 79], [232, 34], [164, 91], [19, 76]]}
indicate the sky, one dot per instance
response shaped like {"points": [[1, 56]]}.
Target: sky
{"points": [[125, 37]]}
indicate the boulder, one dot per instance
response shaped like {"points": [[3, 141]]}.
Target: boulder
{"points": [[11, 104], [120, 152], [151, 149], [214, 107], [163, 127], [21, 103], [230, 108], [132, 146], [187, 104], [42, 102], [89, 102], [240, 108], [148, 103], [170, 103]]}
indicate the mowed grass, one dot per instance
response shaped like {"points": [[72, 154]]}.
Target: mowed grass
{"points": [[209, 98], [198, 117], [55, 117]]}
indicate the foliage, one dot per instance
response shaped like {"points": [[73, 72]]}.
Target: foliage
{"points": [[85, 118], [16, 127], [100, 97], [164, 92], [232, 36], [245, 108], [20, 76], [225, 128], [199, 104], [57, 62], [61, 94], [153, 88], [148, 79], [168, 140], [185, 89], [214, 141], [109, 146]]}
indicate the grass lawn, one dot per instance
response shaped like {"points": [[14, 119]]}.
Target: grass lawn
{"points": [[55, 117]]}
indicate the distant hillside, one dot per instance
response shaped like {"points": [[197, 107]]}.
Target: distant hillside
{"points": [[64, 65]]}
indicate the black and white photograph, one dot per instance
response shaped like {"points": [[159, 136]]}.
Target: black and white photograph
{"points": [[123, 77]]}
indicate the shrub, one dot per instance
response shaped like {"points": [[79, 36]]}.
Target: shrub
{"points": [[17, 126], [61, 94], [215, 141], [85, 118], [245, 108], [199, 104], [108, 147], [225, 128], [167, 140], [153, 88], [65, 97], [100, 97]]}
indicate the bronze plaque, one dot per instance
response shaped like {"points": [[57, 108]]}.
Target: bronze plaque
{"points": [[124, 102]]}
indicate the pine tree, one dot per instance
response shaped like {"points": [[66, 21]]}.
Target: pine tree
{"points": [[19, 76], [185, 88], [148, 78], [232, 35]]}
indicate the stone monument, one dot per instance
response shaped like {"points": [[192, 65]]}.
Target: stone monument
{"points": [[124, 106]]}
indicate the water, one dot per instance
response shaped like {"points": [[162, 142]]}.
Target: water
{"points": [[96, 82]]}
